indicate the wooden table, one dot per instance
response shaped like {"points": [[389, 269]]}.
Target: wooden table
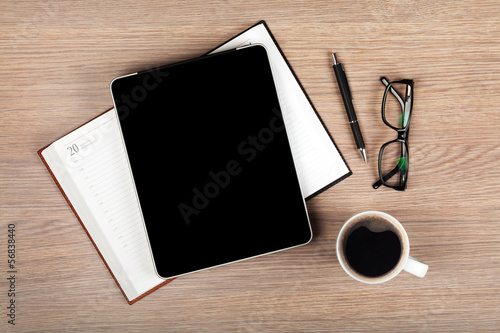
{"points": [[57, 60]]}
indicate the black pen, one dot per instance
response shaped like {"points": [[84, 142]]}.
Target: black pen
{"points": [[345, 91]]}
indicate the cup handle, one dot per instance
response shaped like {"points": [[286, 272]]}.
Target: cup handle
{"points": [[415, 267]]}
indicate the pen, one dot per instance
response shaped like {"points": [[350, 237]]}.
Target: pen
{"points": [[345, 91]]}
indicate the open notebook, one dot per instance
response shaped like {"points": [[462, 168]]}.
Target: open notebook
{"points": [[89, 166]]}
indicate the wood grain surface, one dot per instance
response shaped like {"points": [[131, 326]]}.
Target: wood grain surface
{"points": [[57, 59]]}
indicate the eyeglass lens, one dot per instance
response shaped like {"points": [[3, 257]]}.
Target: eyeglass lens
{"points": [[394, 107], [394, 162]]}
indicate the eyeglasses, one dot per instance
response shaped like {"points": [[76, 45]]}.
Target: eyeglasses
{"points": [[393, 157]]}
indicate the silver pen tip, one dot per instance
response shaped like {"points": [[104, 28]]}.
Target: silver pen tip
{"points": [[334, 58], [363, 154]]}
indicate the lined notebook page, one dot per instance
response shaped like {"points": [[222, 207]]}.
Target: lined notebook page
{"points": [[93, 158], [317, 160]]}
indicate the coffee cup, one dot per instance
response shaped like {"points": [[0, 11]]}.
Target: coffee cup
{"points": [[373, 247]]}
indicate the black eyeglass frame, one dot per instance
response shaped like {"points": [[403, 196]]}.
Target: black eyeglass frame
{"points": [[403, 133]]}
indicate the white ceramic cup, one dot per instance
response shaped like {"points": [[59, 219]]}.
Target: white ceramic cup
{"points": [[377, 222]]}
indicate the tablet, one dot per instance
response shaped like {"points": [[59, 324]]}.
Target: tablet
{"points": [[211, 162]]}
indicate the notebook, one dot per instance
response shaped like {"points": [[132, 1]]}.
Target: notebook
{"points": [[90, 168], [82, 162], [211, 161]]}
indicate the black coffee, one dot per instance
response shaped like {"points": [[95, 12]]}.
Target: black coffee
{"points": [[372, 254]]}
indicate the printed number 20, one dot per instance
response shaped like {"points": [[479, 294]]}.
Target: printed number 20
{"points": [[73, 149]]}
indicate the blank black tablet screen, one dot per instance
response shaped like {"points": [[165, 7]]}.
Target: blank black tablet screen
{"points": [[211, 161]]}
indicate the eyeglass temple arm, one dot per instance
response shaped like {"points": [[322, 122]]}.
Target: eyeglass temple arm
{"points": [[393, 91], [386, 177]]}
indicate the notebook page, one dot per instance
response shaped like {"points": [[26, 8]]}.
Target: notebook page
{"points": [[317, 160], [94, 158], [80, 205]]}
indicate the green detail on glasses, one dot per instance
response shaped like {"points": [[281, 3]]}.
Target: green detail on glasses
{"points": [[403, 119], [401, 163]]}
